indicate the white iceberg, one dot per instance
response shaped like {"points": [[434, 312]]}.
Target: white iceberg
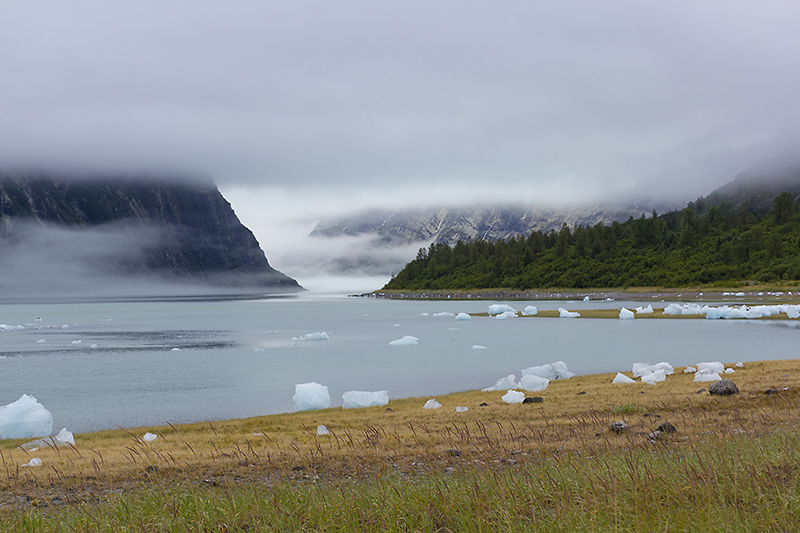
{"points": [[626, 314], [432, 404], [355, 399], [316, 336], [532, 383], [563, 313], [729, 371], [622, 378], [309, 396], [508, 382], [530, 310], [496, 309], [408, 340], [513, 396], [463, 316], [556, 370], [26, 418]]}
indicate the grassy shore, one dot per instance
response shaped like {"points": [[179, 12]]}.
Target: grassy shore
{"points": [[733, 464]]}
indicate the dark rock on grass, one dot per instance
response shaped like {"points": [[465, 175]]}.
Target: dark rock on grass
{"points": [[666, 427], [700, 391], [769, 392], [619, 426], [484, 404], [535, 399], [581, 393], [723, 387]]}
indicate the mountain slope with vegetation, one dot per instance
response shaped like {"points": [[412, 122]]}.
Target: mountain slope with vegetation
{"points": [[725, 245]]}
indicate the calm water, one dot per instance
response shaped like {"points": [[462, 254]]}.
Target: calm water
{"points": [[103, 365]]}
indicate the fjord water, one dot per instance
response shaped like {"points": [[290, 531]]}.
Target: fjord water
{"points": [[131, 364]]}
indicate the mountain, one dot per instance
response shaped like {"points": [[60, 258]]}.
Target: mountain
{"points": [[389, 239], [118, 235]]}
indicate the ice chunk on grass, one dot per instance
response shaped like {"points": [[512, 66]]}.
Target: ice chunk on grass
{"points": [[513, 396], [626, 314], [355, 399], [432, 404], [622, 378]]}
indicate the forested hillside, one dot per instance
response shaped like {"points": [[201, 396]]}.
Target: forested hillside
{"points": [[680, 248]]}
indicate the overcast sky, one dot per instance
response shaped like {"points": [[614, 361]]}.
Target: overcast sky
{"points": [[307, 108]]}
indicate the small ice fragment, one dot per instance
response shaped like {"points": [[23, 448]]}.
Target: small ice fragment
{"points": [[563, 313], [622, 378], [322, 430], [506, 315], [93, 346], [316, 336], [175, 350], [424, 314], [40, 341], [496, 309], [33, 462], [76, 342], [739, 364], [513, 396], [645, 310], [479, 347], [626, 314], [65, 326], [461, 409], [689, 370], [530, 310], [463, 316], [432, 404], [585, 298], [149, 437], [703, 376], [729, 371], [444, 313], [508, 382], [408, 340]]}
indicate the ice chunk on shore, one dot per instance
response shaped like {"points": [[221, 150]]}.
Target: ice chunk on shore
{"points": [[356, 399], [309, 396], [33, 462], [657, 376], [530, 310], [432, 404], [24, 419], [704, 376], [496, 309], [149, 437], [710, 367], [729, 371], [645, 310], [63, 437], [506, 315], [463, 316], [563, 313], [322, 430], [513, 396], [642, 369], [626, 314], [622, 378], [557, 370], [462, 409], [508, 382], [408, 340], [533, 383], [689, 370]]}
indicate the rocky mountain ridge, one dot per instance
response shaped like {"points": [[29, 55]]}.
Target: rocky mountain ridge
{"points": [[74, 231]]}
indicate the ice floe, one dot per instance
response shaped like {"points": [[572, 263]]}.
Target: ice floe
{"points": [[463, 316], [316, 336]]}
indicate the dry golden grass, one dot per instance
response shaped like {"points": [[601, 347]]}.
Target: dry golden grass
{"points": [[401, 439]]}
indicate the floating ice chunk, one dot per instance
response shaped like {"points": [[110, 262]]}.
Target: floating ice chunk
{"points": [[175, 350], [626, 314], [408, 340], [506, 315], [432, 404], [355, 399], [33, 462], [530, 310], [479, 347], [622, 378], [308, 396], [563, 313], [424, 314], [508, 382], [740, 294], [322, 430], [689, 370], [712, 367], [41, 341], [461, 409], [25, 418], [445, 313], [65, 326], [703, 376], [76, 342], [93, 346], [645, 310], [149, 437], [533, 383], [557, 370], [793, 311], [585, 298], [463, 316], [316, 336], [496, 309], [6, 327], [513, 396]]}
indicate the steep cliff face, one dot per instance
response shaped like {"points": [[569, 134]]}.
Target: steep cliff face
{"points": [[175, 231]]}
